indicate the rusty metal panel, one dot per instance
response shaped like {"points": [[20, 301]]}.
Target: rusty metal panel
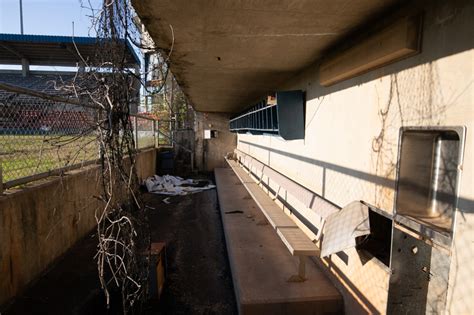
{"points": [[408, 288], [420, 271]]}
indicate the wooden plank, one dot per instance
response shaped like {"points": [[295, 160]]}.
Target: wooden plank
{"points": [[301, 193], [243, 176], [297, 242], [261, 264], [257, 192], [275, 216], [395, 42], [309, 198], [295, 239]]}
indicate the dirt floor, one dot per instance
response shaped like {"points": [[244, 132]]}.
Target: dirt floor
{"points": [[198, 275], [199, 280]]}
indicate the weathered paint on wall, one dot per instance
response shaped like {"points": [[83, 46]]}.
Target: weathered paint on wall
{"points": [[351, 142], [39, 222]]}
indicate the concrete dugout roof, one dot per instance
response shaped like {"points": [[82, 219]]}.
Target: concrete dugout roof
{"points": [[227, 53], [49, 50]]}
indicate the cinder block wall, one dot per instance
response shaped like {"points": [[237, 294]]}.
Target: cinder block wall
{"points": [[40, 222], [351, 140]]}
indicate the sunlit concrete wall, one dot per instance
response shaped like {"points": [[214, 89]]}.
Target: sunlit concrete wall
{"points": [[351, 142], [40, 222]]}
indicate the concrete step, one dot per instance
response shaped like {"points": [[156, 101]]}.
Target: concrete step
{"points": [[261, 264]]}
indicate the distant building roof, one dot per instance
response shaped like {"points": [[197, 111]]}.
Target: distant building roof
{"points": [[49, 50], [46, 82]]}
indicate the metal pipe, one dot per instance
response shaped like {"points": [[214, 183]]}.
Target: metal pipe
{"points": [[21, 16], [135, 120], [1, 179]]}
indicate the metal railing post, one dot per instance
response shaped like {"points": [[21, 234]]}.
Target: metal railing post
{"points": [[1, 179], [135, 122], [154, 133], [171, 133], [158, 134]]}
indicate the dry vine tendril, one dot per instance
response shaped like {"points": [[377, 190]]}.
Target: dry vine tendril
{"points": [[108, 85], [120, 225], [111, 86]]}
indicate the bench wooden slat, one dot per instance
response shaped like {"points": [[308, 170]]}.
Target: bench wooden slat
{"points": [[270, 209], [297, 242], [310, 199], [294, 239], [257, 192], [275, 216], [243, 176]]}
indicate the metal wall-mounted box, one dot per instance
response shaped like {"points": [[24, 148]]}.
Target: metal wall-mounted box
{"points": [[290, 105], [428, 175], [209, 134]]}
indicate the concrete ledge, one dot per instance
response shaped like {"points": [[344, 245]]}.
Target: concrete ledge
{"points": [[260, 263], [41, 220]]}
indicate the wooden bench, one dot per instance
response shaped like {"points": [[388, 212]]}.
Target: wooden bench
{"points": [[260, 263], [296, 241], [307, 197], [341, 226]]}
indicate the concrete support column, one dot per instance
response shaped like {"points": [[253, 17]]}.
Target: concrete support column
{"points": [[136, 90], [25, 67], [82, 67]]}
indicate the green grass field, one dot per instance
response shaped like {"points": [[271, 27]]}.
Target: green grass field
{"points": [[25, 155]]}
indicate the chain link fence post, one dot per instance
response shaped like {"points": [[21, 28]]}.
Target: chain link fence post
{"points": [[1, 180], [154, 133], [135, 130], [158, 126]]}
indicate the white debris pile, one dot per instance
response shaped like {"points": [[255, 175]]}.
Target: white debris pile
{"points": [[175, 185]]}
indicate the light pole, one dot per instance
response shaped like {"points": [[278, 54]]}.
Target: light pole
{"points": [[21, 16]]}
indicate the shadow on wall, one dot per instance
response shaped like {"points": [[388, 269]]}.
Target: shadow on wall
{"points": [[412, 97], [466, 204], [447, 30], [412, 94]]}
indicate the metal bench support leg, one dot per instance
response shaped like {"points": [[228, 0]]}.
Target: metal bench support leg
{"points": [[301, 276], [302, 267]]}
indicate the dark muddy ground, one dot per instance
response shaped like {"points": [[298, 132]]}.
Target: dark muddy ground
{"points": [[198, 275]]}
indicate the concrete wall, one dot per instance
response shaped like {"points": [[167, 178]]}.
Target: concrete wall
{"points": [[39, 222], [209, 153], [351, 140]]}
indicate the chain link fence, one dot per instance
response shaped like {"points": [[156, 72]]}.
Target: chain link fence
{"points": [[40, 137], [164, 130]]}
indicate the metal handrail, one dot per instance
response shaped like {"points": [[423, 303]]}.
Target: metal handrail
{"points": [[253, 112]]}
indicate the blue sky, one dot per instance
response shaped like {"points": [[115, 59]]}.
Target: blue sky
{"points": [[46, 17]]}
